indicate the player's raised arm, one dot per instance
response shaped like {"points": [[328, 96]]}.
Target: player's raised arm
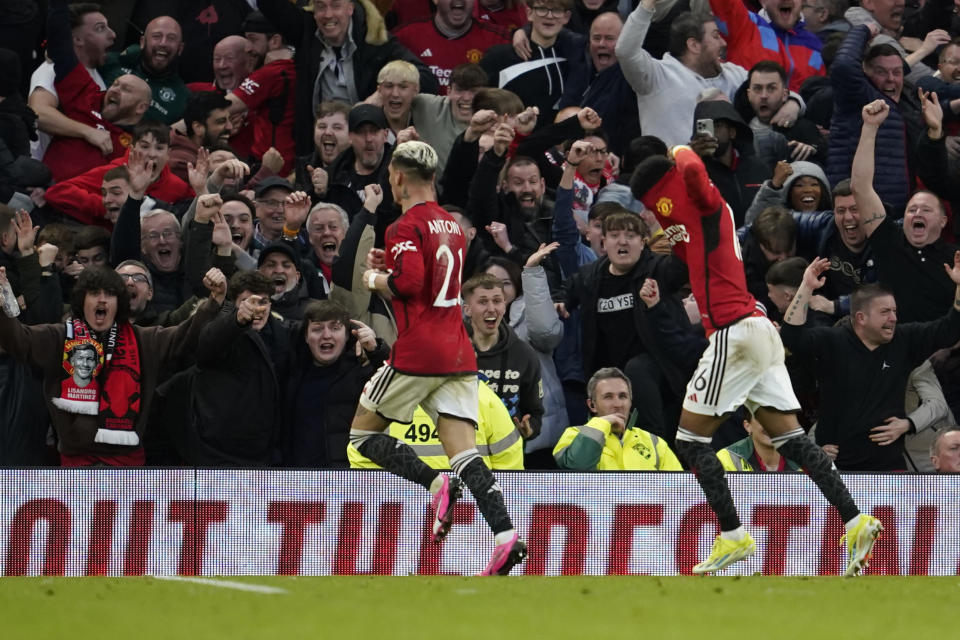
{"points": [[694, 175]]}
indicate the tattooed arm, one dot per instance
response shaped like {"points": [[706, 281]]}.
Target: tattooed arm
{"points": [[871, 207], [813, 279]]}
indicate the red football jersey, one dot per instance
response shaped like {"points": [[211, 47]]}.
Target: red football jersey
{"points": [[425, 250], [274, 81], [81, 100], [699, 224], [441, 53]]}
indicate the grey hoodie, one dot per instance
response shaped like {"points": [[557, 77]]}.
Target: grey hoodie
{"points": [[768, 196]]}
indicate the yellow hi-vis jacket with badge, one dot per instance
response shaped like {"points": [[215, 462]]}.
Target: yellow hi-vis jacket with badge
{"points": [[498, 440], [594, 447]]}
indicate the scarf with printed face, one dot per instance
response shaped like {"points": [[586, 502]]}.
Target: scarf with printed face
{"points": [[102, 382]]}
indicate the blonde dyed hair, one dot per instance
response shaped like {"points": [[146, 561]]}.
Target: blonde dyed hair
{"points": [[399, 71]]}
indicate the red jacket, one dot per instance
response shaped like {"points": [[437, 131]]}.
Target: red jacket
{"points": [[79, 197], [751, 38], [81, 100]]}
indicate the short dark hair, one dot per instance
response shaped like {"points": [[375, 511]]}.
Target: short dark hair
{"points": [[324, 311], [625, 221], [601, 210], [842, 188], [59, 235], [89, 237], [155, 128], [775, 229], [606, 373], [249, 280], [93, 279], [119, 172], [787, 273], [468, 75], [199, 107], [768, 66], [499, 101], [514, 272], [639, 149], [863, 295], [685, 26], [77, 10], [235, 196], [520, 161], [648, 173], [329, 107], [480, 281], [879, 51]]}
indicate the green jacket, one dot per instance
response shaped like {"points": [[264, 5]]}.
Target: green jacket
{"points": [[740, 456], [170, 94]]}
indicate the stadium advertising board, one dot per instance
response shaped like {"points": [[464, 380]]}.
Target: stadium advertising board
{"points": [[266, 522]]}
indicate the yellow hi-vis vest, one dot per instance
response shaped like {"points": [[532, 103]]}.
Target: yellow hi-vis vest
{"points": [[498, 440], [594, 447]]}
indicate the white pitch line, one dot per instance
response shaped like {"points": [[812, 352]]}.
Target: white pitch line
{"points": [[226, 584]]}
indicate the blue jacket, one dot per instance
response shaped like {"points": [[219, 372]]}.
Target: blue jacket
{"points": [[893, 179]]}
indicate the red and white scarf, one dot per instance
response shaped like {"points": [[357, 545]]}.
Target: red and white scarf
{"points": [[112, 392]]}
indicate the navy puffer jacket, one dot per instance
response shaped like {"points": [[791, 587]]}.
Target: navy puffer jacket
{"points": [[893, 179]]}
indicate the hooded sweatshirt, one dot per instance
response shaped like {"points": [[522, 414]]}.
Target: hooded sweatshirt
{"points": [[770, 196], [512, 370]]}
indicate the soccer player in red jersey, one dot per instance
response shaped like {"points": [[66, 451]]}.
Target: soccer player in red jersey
{"points": [[432, 361], [743, 362]]}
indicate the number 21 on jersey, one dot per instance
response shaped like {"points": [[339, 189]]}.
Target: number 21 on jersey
{"points": [[445, 257]]}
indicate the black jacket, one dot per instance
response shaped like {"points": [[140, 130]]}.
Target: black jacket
{"points": [[375, 48], [581, 290], [738, 186], [236, 393], [512, 370], [339, 192], [860, 388], [324, 444]]}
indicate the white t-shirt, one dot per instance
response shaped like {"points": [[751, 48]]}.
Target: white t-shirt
{"points": [[44, 77]]}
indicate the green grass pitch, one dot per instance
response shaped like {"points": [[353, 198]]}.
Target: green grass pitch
{"points": [[644, 608]]}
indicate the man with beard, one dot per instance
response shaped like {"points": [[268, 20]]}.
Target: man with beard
{"points": [[863, 367], [365, 162], [341, 47], [155, 60], [281, 265], [92, 36], [516, 216], [262, 36], [777, 33], [207, 120], [331, 137], [908, 261], [80, 197], [119, 107], [104, 422], [449, 38], [667, 89]]}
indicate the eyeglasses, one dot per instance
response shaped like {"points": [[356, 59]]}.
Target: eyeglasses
{"points": [[134, 277], [272, 204], [554, 12], [168, 234], [601, 152]]}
